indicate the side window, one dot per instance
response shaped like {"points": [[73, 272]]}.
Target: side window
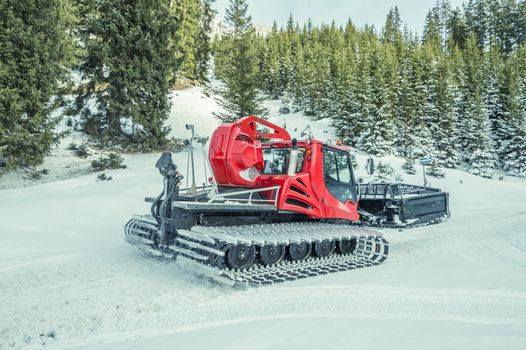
{"points": [[277, 160], [274, 161], [338, 175], [337, 167], [344, 174], [331, 172], [301, 159]]}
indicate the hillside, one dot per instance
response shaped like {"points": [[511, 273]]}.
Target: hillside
{"points": [[69, 281]]}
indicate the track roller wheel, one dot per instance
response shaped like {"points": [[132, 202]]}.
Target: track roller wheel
{"points": [[219, 261], [299, 251], [323, 248], [241, 256], [271, 254], [346, 246]]}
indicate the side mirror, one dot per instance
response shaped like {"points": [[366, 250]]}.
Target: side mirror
{"points": [[370, 166], [359, 189]]}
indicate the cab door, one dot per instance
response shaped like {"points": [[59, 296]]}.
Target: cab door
{"points": [[340, 197]]}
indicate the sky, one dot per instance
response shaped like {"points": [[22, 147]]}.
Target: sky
{"points": [[372, 12]]}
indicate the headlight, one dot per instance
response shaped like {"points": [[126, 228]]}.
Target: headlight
{"points": [[249, 174]]}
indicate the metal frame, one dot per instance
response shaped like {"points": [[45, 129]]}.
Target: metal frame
{"points": [[198, 188], [381, 190], [249, 200], [407, 198]]}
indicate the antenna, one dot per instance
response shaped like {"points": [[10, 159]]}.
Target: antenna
{"points": [[193, 188], [202, 141]]}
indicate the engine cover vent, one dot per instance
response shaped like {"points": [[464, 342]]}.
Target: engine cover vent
{"points": [[244, 137]]}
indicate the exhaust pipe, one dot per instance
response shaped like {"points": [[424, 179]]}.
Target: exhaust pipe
{"points": [[293, 162]]}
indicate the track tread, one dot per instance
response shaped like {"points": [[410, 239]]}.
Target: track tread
{"points": [[193, 248]]}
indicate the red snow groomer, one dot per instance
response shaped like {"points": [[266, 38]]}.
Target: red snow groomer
{"points": [[278, 209]]}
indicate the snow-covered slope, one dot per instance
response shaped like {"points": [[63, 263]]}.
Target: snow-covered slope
{"points": [[69, 281]]}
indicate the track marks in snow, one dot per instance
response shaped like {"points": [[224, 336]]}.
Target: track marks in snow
{"points": [[163, 300], [390, 302], [74, 270], [123, 291]]}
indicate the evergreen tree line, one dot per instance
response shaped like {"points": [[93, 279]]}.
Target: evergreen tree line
{"points": [[456, 93], [125, 55]]}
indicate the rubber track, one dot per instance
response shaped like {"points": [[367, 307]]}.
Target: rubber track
{"points": [[193, 249]]}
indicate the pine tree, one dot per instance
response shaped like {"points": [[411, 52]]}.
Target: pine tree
{"points": [[269, 70], [503, 27], [413, 138], [512, 148], [476, 13], [404, 139], [128, 71], [357, 106], [479, 151], [457, 29], [340, 75], [435, 169], [286, 102], [459, 91], [286, 69], [443, 123], [391, 32], [203, 48], [384, 173], [430, 81], [188, 33], [310, 87], [36, 51], [432, 33], [409, 166], [239, 67], [471, 80], [345, 124], [377, 135], [443, 12], [481, 163], [297, 88], [521, 19], [493, 96]]}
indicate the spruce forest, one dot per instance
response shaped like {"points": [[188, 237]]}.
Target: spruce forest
{"points": [[455, 92]]}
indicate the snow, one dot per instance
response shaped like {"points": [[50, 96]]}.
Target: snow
{"points": [[192, 106], [189, 106], [69, 281]]}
